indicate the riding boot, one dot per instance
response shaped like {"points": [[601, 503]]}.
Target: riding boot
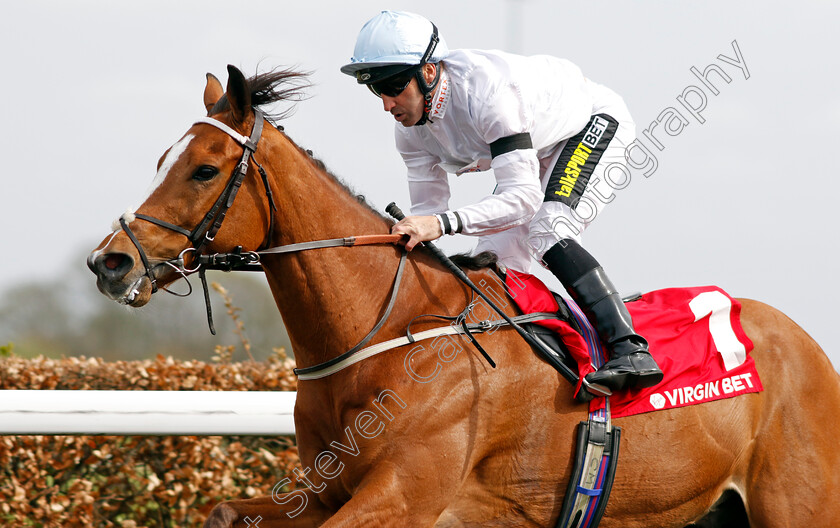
{"points": [[630, 364]]}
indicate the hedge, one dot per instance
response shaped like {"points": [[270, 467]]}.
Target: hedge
{"points": [[137, 481]]}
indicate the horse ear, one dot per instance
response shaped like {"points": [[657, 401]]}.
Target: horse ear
{"points": [[238, 94], [213, 91]]}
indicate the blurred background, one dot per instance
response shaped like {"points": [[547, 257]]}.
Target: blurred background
{"points": [[95, 92]]}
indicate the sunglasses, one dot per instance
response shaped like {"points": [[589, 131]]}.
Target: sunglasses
{"points": [[392, 86]]}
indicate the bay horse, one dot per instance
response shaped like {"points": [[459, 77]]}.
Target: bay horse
{"points": [[471, 445]]}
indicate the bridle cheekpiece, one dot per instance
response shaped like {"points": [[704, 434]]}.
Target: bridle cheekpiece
{"points": [[205, 232]]}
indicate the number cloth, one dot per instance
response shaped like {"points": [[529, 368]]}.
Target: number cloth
{"points": [[695, 335]]}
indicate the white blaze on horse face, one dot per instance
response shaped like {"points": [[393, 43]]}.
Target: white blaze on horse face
{"points": [[92, 258], [168, 162]]}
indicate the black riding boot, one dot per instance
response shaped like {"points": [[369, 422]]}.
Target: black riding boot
{"points": [[630, 364]]}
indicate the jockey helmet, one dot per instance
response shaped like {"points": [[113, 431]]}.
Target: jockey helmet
{"points": [[395, 38], [391, 47]]}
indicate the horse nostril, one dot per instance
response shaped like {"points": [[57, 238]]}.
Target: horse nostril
{"points": [[114, 266], [113, 261]]}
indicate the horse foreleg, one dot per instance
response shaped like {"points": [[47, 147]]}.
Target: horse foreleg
{"points": [[389, 500], [296, 509]]}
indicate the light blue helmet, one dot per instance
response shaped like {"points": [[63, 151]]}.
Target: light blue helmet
{"points": [[394, 38], [396, 43]]}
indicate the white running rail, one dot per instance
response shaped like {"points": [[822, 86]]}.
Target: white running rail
{"points": [[98, 412]]}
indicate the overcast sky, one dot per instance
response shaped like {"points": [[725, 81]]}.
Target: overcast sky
{"points": [[95, 92]]}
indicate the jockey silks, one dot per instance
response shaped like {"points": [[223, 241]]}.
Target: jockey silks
{"points": [[487, 95]]}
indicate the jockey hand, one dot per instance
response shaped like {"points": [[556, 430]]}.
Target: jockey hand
{"points": [[418, 229]]}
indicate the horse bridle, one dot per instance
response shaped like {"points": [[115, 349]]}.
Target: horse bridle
{"points": [[205, 232]]}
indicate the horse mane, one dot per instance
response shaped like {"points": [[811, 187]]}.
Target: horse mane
{"points": [[279, 84], [344, 185], [483, 260]]}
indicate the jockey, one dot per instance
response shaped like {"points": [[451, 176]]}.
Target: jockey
{"points": [[549, 134]]}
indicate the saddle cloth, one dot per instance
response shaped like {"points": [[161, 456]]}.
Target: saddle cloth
{"points": [[694, 334]]}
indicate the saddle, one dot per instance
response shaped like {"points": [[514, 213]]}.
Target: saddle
{"points": [[551, 339], [568, 334]]}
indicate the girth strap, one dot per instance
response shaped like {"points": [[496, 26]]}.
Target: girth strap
{"points": [[595, 462]]}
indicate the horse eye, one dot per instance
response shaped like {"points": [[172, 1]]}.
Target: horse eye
{"points": [[205, 173]]}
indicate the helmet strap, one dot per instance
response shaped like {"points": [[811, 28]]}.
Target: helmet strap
{"points": [[427, 90]]}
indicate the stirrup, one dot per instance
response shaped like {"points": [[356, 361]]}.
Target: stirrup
{"points": [[590, 391], [596, 389]]}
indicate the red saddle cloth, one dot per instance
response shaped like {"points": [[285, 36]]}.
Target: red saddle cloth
{"points": [[695, 335]]}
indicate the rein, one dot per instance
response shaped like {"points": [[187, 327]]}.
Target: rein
{"points": [[250, 260]]}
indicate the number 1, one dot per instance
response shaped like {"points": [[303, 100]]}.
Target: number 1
{"points": [[717, 304]]}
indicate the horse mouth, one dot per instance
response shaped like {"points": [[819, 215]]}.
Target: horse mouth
{"points": [[121, 280], [137, 294]]}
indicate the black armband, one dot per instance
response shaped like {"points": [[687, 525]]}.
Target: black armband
{"points": [[511, 143]]}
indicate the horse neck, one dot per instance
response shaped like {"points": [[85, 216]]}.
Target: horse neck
{"points": [[328, 298]]}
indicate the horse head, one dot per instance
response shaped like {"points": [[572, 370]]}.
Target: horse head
{"points": [[198, 179]]}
